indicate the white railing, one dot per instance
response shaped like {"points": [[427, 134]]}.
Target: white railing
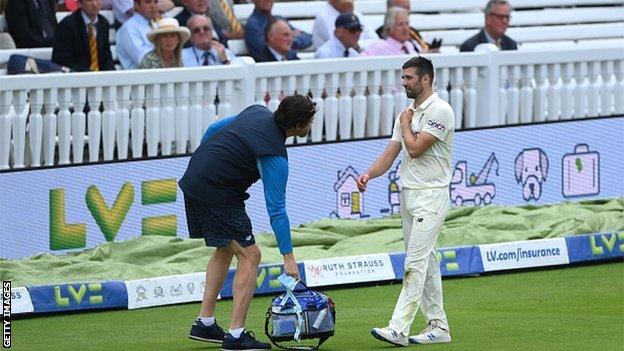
{"points": [[44, 119]]}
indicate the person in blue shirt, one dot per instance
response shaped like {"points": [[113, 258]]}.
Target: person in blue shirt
{"points": [[235, 152], [255, 30], [132, 42]]}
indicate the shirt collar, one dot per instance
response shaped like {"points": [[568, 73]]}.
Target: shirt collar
{"points": [[338, 43], [395, 43], [277, 55], [86, 19], [199, 51], [489, 38], [142, 19], [425, 103]]}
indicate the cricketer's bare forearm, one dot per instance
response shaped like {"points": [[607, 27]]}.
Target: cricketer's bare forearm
{"points": [[385, 160]]}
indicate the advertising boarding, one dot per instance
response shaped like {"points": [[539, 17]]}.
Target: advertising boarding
{"points": [[65, 209]]}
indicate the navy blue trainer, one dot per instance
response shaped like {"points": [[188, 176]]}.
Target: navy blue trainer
{"points": [[247, 341], [210, 333]]}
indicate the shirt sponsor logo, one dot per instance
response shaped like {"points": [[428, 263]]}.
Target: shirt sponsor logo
{"points": [[437, 125]]}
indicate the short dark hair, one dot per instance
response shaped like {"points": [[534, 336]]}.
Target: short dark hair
{"points": [[294, 109], [422, 64]]}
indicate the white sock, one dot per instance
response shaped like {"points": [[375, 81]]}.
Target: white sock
{"points": [[207, 321], [237, 332]]}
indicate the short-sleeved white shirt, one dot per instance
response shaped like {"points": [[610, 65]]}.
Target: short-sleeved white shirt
{"points": [[432, 169]]}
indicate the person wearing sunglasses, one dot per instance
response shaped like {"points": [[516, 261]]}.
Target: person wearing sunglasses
{"points": [[497, 17], [205, 50], [199, 7]]}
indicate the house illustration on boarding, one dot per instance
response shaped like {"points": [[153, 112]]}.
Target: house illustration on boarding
{"points": [[394, 191], [349, 200]]}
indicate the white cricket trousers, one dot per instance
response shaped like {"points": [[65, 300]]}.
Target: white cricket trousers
{"points": [[423, 213]]}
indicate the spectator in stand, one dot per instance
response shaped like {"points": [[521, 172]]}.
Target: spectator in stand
{"points": [[199, 7], [32, 23], [81, 42], [165, 6], [204, 50], [123, 10], [67, 5], [279, 38], [168, 40], [421, 45], [344, 42], [222, 14], [132, 42], [324, 23], [497, 16], [256, 23], [396, 27]]}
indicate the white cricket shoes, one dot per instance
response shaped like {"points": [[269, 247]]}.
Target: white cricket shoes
{"points": [[432, 334], [390, 336]]}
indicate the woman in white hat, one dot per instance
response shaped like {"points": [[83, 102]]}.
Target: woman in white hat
{"points": [[168, 39]]}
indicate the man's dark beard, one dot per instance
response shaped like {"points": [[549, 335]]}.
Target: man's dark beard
{"points": [[411, 94]]}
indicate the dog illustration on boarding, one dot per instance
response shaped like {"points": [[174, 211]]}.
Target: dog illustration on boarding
{"points": [[531, 170]]}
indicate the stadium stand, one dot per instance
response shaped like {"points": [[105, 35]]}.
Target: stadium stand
{"points": [[534, 23], [166, 111]]}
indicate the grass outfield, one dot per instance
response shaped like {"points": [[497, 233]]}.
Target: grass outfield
{"points": [[575, 308]]}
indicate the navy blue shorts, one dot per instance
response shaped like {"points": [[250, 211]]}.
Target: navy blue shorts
{"points": [[217, 225]]}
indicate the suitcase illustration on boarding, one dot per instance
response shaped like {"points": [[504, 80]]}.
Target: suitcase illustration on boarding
{"points": [[580, 172]]}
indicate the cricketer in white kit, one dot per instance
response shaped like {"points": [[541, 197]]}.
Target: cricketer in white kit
{"points": [[424, 131]]}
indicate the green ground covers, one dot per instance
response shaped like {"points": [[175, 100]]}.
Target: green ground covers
{"points": [[152, 256]]}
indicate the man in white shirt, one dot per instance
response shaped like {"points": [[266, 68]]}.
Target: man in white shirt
{"points": [[132, 42], [344, 41], [204, 51], [123, 10], [324, 23], [424, 131]]}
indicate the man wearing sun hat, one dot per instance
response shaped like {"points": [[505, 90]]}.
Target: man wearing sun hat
{"points": [[132, 42], [344, 41], [168, 39]]}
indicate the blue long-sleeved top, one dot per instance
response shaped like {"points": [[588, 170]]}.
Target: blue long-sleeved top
{"points": [[274, 175], [254, 35]]}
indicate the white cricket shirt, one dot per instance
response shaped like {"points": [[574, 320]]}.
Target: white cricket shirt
{"points": [[432, 169]]}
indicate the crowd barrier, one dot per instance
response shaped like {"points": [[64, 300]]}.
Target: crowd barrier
{"points": [[454, 261], [149, 113]]}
